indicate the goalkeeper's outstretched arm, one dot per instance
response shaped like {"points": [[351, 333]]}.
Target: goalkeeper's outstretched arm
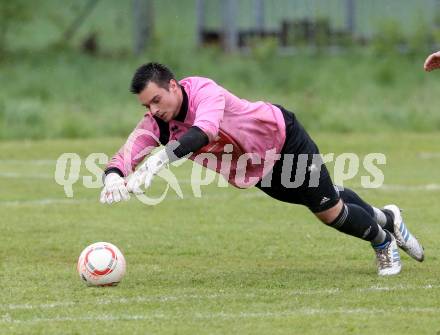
{"points": [[432, 62]]}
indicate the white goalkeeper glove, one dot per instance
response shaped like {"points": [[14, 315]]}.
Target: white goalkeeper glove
{"points": [[114, 189], [144, 175]]}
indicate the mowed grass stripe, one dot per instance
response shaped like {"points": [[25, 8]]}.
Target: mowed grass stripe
{"points": [[227, 316], [218, 295]]}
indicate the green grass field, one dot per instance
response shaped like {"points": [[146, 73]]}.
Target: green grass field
{"points": [[232, 261]]}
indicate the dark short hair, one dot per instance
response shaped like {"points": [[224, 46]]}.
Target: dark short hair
{"points": [[155, 72]]}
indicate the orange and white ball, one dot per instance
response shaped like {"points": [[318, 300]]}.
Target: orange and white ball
{"points": [[101, 264]]}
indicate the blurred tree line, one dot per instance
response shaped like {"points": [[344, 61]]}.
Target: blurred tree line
{"points": [[151, 27], [12, 14]]}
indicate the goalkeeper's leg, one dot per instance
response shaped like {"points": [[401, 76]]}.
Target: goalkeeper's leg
{"points": [[390, 219]]}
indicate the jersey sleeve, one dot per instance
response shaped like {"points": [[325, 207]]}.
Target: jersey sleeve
{"points": [[142, 140], [193, 140], [210, 107]]}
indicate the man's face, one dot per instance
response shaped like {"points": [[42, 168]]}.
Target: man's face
{"points": [[164, 104]]}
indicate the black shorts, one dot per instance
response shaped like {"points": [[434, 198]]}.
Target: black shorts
{"points": [[305, 180]]}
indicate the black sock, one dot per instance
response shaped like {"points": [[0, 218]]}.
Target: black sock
{"points": [[389, 225], [355, 221], [350, 197]]}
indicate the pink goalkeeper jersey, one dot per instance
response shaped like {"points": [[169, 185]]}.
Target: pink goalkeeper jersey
{"points": [[245, 137]]}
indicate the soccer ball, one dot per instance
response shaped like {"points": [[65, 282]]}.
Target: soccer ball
{"points": [[101, 264]]}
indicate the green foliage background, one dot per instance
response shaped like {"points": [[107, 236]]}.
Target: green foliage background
{"points": [[52, 89]]}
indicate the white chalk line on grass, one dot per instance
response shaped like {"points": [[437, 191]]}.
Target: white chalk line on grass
{"points": [[248, 195], [14, 175], [119, 301], [384, 187], [28, 161], [67, 201], [47, 201], [212, 296], [422, 187], [428, 155], [7, 319]]}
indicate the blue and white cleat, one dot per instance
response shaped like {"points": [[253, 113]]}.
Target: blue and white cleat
{"points": [[388, 258], [405, 240]]}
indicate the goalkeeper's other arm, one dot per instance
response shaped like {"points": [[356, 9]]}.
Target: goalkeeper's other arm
{"points": [[432, 62]]}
